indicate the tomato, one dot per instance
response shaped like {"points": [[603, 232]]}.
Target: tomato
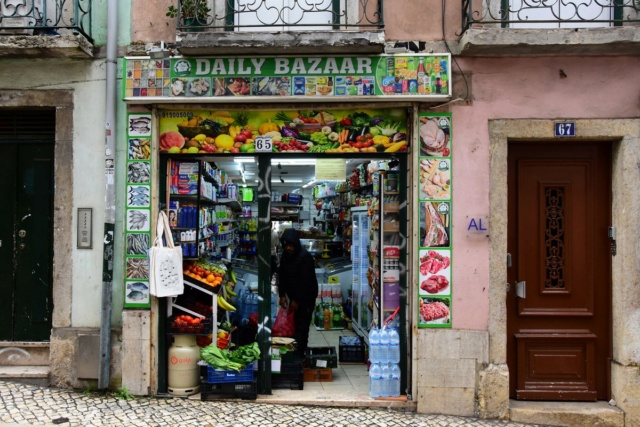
{"points": [[359, 138], [446, 152], [358, 145]]}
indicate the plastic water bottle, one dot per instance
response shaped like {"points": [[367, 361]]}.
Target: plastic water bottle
{"points": [[374, 345], [394, 345], [386, 380], [395, 380], [384, 346], [375, 380], [274, 306]]}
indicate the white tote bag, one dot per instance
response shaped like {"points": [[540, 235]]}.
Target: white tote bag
{"points": [[165, 263]]}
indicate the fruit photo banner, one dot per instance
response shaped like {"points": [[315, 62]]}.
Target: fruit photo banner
{"points": [[299, 131], [434, 200], [303, 78], [138, 211]]}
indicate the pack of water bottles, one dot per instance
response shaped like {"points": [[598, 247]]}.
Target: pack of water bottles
{"points": [[384, 354]]}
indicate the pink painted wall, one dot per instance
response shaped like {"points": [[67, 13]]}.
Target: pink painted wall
{"points": [[528, 88]]}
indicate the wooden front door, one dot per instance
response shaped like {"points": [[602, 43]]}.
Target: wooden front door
{"points": [[26, 225], [559, 214]]}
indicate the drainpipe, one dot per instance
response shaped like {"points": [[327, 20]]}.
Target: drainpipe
{"points": [[110, 194]]}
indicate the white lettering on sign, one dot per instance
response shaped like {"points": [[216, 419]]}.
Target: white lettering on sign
{"points": [[297, 65], [478, 225]]}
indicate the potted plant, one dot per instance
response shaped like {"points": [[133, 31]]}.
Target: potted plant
{"points": [[193, 13]]}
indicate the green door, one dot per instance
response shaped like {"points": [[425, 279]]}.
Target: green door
{"points": [[26, 174]]}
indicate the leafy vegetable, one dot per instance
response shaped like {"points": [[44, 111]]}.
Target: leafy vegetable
{"points": [[282, 117], [400, 136], [219, 359], [320, 138], [246, 354], [288, 132], [360, 119], [388, 128]]}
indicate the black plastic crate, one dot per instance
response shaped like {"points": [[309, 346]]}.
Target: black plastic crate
{"points": [[247, 391], [350, 353], [291, 377], [321, 357]]}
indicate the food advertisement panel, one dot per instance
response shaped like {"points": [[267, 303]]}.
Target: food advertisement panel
{"points": [[434, 196], [331, 78], [284, 131], [138, 211]]}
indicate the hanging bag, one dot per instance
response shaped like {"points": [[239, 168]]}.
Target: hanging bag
{"points": [[165, 263], [284, 325]]}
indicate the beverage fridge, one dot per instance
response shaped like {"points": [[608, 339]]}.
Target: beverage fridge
{"points": [[360, 290]]}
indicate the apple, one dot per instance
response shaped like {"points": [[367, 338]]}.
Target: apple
{"points": [[240, 138], [246, 133]]}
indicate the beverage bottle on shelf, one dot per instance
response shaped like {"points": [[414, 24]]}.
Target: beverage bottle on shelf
{"points": [[384, 345], [327, 316], [374, 345], [375, 380], [395, 380], [421, 76], [386, 381], [394, 345]]}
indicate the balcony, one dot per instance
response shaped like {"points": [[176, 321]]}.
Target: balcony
{"points": [[224, 27], [550, 27], [45, 29]]}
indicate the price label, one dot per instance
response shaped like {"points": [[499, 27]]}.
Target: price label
{"points": [[264, 144], [565, 129]]}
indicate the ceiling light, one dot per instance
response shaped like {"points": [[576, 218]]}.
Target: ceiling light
{"points": [[244, 160], [295, 162], [309, 183], [278, 181]]}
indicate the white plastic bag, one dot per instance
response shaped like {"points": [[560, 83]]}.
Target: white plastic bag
{"points": [[165, 263]]}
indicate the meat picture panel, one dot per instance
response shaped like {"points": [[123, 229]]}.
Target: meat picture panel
{"points": [[435, 228], [435, 272], [434, 312], [435, 179]]}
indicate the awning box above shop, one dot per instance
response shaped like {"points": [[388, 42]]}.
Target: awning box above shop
{"points": [[413, 77]]}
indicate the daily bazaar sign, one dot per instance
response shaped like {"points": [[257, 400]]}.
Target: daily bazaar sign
{"points": [[418, 77]]}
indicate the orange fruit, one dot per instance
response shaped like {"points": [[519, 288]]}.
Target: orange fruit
{"points": [[211, 278]]}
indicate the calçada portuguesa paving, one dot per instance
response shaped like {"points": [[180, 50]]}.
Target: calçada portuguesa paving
{"points": [[28, 405]]}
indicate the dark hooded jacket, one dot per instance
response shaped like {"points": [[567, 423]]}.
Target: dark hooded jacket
{"points": [[297, 275]]}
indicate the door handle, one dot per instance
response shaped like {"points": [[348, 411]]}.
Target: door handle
{"points": [[21, 246], [521, 289]]}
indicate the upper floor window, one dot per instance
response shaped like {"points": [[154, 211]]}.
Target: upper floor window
{"points": [[285, 15]]}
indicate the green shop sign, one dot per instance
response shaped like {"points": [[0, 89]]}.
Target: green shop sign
{"points": [[303, 78]]}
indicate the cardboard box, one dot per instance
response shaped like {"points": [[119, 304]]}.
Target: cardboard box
{"points": [[318, 375]]}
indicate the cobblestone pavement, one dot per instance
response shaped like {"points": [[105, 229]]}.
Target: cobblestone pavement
{"points": [[29, 405]]}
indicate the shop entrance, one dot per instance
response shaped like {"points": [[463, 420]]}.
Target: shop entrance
{"points": [[274, 193], [26, 171], [559, 328]]}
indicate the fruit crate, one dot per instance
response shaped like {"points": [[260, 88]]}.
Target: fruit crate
{"points": [[318, 375], [321, 357], [216, 376], [204, 327], [291, 377], [245, 390], [351, 352]]}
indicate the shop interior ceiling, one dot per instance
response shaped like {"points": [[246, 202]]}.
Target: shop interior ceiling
{"points": [[295, 172]]}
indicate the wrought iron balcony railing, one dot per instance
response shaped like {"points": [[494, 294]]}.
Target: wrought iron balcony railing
{"points": [[46, 17], [277, 15], [550, 13]]}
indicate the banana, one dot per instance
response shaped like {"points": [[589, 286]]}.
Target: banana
{"points": [[233, 276], [230, 291], [395, 147], [223, 304]]}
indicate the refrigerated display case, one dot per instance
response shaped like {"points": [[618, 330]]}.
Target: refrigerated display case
{"points": [[360, 294]]}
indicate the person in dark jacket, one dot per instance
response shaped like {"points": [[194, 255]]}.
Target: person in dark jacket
{"points": [[297, 285]]}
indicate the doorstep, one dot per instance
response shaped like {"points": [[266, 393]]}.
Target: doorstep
{"points": [[335, 399], [566, 413]]}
